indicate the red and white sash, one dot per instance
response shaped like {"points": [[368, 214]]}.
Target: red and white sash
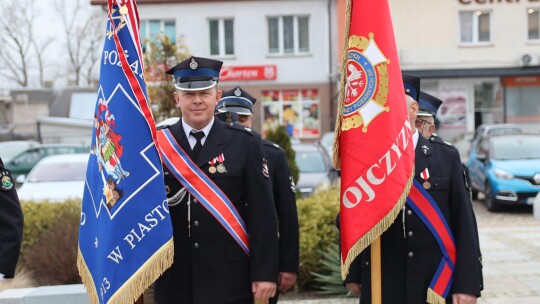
{"points": [[202, 188]]}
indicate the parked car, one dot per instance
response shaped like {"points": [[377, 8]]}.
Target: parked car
{"points": [[506, 169], [491, 130], [315, 167], [327, 142], [9, 149], [56, 178], [22, 163]]}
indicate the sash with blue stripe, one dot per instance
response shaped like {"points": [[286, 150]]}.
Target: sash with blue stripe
{"points": [[421, 202], [198, 184]]}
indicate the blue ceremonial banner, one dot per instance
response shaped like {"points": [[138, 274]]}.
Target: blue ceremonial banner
{"points": [[125, 234]]}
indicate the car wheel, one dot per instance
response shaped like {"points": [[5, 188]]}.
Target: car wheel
{"points": [[490, 200]]}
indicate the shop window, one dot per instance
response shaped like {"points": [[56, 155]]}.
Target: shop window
{"points": [[533, 24], [151, 29], [288, 35], [221, 37], [475, 27], [297, 110]]}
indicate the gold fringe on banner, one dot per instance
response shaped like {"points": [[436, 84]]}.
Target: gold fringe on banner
{"points": [[260, 301], [434, 298], [376, 230], [139, 281], [337, 129]]}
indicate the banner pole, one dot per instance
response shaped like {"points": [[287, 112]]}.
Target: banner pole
{"points": [[376, 294]]}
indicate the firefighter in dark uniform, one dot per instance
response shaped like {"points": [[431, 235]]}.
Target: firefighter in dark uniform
{"points": [[240, 104], [410, 254], [11, 224], [209, 266]]}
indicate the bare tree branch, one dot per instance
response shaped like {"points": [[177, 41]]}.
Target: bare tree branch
{"points": [[16, 38], [80, 23]]}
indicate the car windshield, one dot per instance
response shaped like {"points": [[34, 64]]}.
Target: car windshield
{"points": [[58, 172], [310, 161], [516, 148], [9, 150]]}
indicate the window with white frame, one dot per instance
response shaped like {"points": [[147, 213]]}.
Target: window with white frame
{"points": [[533, 24], [150, 29], [475, 27], [221, 37], [288, 35]]}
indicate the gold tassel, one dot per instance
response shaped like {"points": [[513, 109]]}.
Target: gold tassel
{"points": [[337, 132], [260, 301], [139, 281], [376, 230], [434, 298]]}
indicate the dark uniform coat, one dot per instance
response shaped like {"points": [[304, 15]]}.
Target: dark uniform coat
{"points": [[409, 252], [284, 192], [11, 224], [209, 266]]}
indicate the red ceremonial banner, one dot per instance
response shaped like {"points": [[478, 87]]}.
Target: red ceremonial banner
{"points": [[373, 145]]}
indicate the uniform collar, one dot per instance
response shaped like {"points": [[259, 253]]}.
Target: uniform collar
{"points": [[205, 130]]}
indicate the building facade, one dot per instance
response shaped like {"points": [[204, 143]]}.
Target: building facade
{"points": [[279, 51], [481, 57]]}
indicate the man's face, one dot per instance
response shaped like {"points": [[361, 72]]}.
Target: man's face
{"points": [[197, 106], [425, 126], [412, 106]]}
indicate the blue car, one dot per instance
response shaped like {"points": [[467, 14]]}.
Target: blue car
{"points": [[506, 169]]}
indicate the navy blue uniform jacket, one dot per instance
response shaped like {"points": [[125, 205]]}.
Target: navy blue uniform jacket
{"points": [[409, 252], [285, 200], [11, 224], [209, 267]]}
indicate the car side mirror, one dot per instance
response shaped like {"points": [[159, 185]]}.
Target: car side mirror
{"points": [[481, 156], [20, 179]]}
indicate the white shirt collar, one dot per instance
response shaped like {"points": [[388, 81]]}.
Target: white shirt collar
{"points": [[205, 130], [415, 137]]}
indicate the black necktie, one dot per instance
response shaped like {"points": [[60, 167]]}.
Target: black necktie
{"points": [[198, 145]]}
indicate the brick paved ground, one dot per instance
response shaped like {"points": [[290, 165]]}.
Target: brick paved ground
{"points": [[510, 243]]}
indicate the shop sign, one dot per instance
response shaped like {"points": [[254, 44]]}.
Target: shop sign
{"points": [[521, 81], [247, 73]]}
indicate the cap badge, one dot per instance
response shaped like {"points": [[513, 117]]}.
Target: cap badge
{"points": [[193, 64], [237, 92]]}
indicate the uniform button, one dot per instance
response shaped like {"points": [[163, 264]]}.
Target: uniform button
{"points": [[410, 232], [195, 201], [196, 245], [409, 212], [246, 205], [367, 263], [411, 254], [196, 223]]}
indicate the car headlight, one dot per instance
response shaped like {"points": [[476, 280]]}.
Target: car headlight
{"points": [[503, 174]]}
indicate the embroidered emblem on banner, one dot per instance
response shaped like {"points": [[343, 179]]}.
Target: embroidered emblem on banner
{"points": [[367, 83]]}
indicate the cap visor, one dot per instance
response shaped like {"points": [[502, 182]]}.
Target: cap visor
{"points": [[195, 85], [425, 114], [237, 110]]}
